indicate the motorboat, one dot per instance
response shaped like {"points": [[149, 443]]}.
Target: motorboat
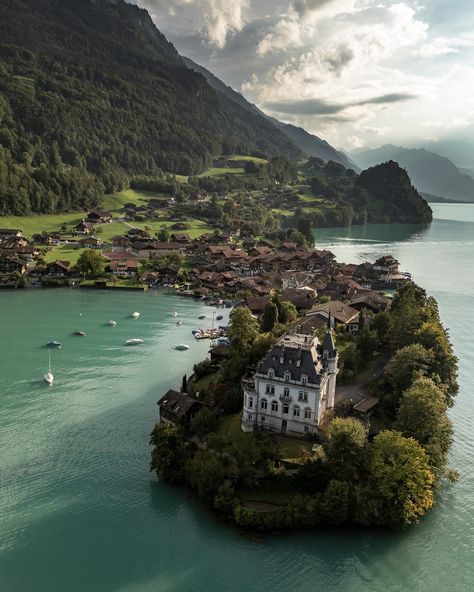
{"points": [[201, 317], [79, 333], [202, 335], [135, 315], [219, 318], [48, 376], [134, 341], [53, 343], [179, 323], [181, 347], [174, 314], [112, 323]]}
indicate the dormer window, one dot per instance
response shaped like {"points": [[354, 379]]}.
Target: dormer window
{"points": [[287, 377], [271, 374], [304, 380]]}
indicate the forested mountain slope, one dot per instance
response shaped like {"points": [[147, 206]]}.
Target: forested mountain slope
{"points": [[91, 93]]}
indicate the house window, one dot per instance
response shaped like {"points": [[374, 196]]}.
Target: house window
{"points": [[287, 377], [270, 389], [307, 413], [304, 380], [305, 395], [286, 409], [271, 374], [274, 406], [296, 411], [286, 392], [250, 402], [306, 429], [263, 404], [249, 416]]}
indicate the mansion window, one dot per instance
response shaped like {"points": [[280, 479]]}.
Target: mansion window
{"points": [[274, 406], [304, 380], [296, 411], [286, 392], [250, 402], [270, 389], [286, 409], [264, 404], [271, 374], [307, 413]]}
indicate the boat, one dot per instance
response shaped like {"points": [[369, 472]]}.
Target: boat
{"points": [[134, 341], [202, 316], [79, 333], [112, 323], [202, 335], [135, 315], [179, 323], [219, 318], [174, 314], [53, 343], [181, 347], [48, 376]]}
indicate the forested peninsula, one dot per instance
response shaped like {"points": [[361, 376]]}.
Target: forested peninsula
{"points": [[383, 470]]}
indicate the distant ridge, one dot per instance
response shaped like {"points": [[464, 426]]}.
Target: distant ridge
{"points": [[429, 172], [308, 143]]}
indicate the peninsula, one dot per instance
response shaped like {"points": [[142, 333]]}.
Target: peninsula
{"points": [[327, 413]]}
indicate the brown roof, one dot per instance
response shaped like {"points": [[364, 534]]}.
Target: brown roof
{"points": [[341, 312], [366, 404], [178, 403]]}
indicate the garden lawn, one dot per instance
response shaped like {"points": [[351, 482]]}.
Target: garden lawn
{"points": [[195, 227], [64, 253]]}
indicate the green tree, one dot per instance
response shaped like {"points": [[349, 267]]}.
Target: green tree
{"points": [[203, 422], [163, 235], [336, 502], [91, 263], [270, 316], [422, 415], [205, 473], [345, 449], [367, 343], [169, 453], [243, 329], [400, 482], [407, 363]]}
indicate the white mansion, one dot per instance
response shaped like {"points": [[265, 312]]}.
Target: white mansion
{"points": [[293, 386]]}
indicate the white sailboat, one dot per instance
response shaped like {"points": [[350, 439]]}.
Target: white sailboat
{"points": [[48, 376]]}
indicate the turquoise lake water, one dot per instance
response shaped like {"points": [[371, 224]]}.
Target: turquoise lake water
{"points": [[79, 511]]}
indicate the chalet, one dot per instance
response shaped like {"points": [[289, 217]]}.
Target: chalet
{"points": [[90, 242], [58, 268], [124, 268], [370, 300], [11, 264], [99, 217], [177, 408], [260, 250], [338, 312], [180, 237], [167, 248], [121, 241], [341, 289], [256, 304], [137, 234], [84, 228], [387, 265], [302, 298], [10, 233]]}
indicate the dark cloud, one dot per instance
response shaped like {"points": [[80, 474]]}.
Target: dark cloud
{"points": [[302, 7], [324, 108], [339, 59]]}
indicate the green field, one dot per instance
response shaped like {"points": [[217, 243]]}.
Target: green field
{"points": [[220, 171], [195, 227], [247, 158], [36, 224], [64, 253]]}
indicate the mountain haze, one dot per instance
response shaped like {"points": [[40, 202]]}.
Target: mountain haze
{"points": [[92, 93], [429, 172], [308, 143]]}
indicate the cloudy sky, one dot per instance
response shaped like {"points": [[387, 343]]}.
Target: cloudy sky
{"points": [[359, 73]]}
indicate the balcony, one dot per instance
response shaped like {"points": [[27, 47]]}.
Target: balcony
{"points": [[285, 398]]}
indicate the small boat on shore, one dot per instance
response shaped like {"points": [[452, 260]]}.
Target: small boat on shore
{"points": [[181, 347], [135, 315], [79, 333], [134, 341], [53, 343], [112, 323]]}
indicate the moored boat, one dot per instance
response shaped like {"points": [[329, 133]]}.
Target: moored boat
{"points": [[134, 341], [219, 318], [112, 323], [135, 315], [48, 376], [201, 317], [53, 343], [181, 347], [79, 333]]}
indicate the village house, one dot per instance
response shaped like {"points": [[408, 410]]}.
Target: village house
{"points": [[10, 233], [84, 228], [337, 312], [99, 217], [387, 264], [90, 242], [177, 408], [293, 387], [370, 300], [180, 237], [58, 268], [124, 267], [11, 264]]}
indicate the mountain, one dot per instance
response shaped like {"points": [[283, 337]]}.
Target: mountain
{"points": [[430, 172], [390, 186], [308, 143], [92, 93]]}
